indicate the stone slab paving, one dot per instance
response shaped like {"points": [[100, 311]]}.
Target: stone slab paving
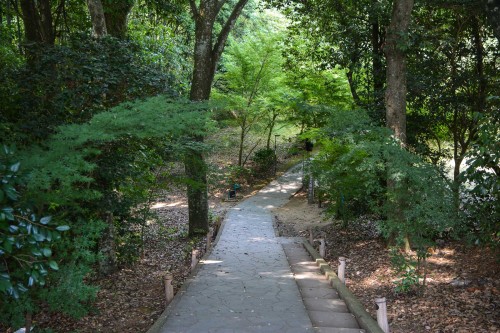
{"points": [[245, 284]]}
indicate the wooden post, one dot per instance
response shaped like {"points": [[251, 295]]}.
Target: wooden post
{"points": [[310, 191], [341, 272], [209, 238], [194, 259], [311, 238], [382, 314], [169, 288], [322, 248]]}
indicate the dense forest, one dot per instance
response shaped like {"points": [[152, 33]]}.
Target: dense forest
{"points": [[102, 102]]}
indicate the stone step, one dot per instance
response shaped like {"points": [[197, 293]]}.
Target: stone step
{"points": [[322, 304], [321, 293], [328, 313], [337, 330], [332, 319]]}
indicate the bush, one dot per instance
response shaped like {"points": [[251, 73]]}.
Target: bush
{"points": [[355, 168], [264, 162], [72, 82]]}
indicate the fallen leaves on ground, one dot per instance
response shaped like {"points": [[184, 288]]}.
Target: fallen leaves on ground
{"points": [[472, 306]]}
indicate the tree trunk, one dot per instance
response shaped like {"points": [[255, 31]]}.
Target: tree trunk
{"points": [[97, 18], [116, 16], [37, 18], [197, 192], [206, 56], [352, 85], [377, 69], [242, 142], [108, 263], [271, 128], [38, 28], [395, 94]]}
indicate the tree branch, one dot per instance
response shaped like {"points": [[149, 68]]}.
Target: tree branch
{"points": [[220, 5], [221, 39], [194, 10]]}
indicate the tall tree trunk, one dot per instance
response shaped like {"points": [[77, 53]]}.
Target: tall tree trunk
{"points": [[243, 128], [107, 244], [37, 18], [97, 18], [395, 94], [116, 15], [207, 52], [38, 28], [377, 68], [271, 128]]}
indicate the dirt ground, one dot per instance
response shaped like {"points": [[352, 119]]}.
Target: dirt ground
{"points": [[462, 293]]}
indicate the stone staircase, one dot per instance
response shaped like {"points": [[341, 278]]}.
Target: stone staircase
{"points": [[328, 313]]}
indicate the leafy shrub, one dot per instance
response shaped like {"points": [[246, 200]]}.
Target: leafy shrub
{"points": [[72, 82], [356, 165], [264, 161], [481, 204], [26, 240]]}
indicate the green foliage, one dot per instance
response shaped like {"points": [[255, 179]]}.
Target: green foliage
{"points": [[71, 82], [26, 241], [355, 166], [411, 271], [264, 162], [81, 174], [70, 294], [482, 190]]}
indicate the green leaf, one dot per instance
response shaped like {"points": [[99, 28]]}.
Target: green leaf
{"points": [[38, 237], [5, 284], [63, 228], [53, 265], [7, 245], [47, 252], [45, 220], [22, 288], [15, 167]]}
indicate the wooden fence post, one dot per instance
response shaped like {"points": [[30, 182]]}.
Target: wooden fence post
{"points": [[382, 314], [209, 238], [341, 271], [169, 288], [322, 248], [194, 259], [311, 238]]}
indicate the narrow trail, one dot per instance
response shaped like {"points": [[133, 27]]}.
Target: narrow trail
{"points": [[246, 283]]}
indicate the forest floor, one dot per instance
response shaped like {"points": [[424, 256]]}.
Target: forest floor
{"points": [[463, 283], [133, 298]]}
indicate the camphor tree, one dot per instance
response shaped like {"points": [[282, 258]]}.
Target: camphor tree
{"points": [[209, 45]]}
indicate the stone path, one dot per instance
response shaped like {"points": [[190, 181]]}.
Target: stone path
{"points": [[246, 284]]}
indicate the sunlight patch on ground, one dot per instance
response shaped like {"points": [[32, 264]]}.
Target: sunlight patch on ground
{"points": [[164, 205], [211, 262]]}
